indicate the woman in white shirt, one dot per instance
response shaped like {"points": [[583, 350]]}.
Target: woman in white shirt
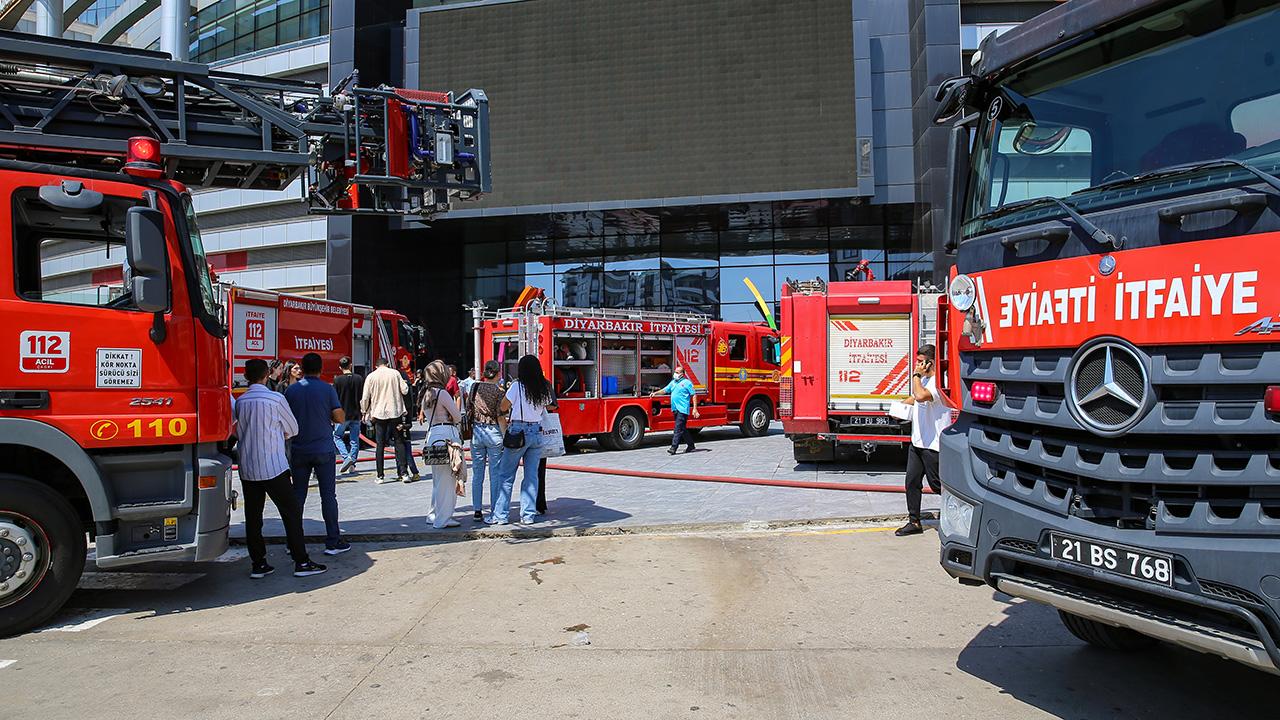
{"points": [[527, 398], [440, 412]]}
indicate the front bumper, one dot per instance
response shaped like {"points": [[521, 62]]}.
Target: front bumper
{"points": [[1226, 594], [201, 532]]}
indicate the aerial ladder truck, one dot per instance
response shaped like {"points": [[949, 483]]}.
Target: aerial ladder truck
{"points": [[115, 411]]}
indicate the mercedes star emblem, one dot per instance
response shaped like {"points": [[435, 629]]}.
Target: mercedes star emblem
{"points": [[1108, 389], [1109, 386], [1107, 265]]}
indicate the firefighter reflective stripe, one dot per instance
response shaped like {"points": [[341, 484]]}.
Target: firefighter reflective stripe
{"points": [[728, 374]]}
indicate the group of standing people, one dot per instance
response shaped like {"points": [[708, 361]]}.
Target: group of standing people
{"points": [[283, 439], [291, 425], [506, 426]]}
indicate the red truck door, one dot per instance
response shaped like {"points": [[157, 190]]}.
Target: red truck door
{"points": [[85, 357], [733, 364]]}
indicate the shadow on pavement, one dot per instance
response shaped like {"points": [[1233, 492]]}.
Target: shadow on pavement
{"points": [[203, 586], [1030, 656]]}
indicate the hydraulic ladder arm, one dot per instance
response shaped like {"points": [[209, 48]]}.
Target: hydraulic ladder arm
{"points": [[358, 150]]}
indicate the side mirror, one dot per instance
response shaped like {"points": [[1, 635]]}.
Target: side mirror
{"points": [[148, 259], [957, 184]]}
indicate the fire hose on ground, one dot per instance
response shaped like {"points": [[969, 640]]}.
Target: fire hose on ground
{"points": [[690, 477]]}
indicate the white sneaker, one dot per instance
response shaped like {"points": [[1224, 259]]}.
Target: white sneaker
{"points": [[385, 480], [431, 518], [452, 523]]}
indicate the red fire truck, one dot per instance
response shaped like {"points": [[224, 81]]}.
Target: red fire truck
{"points": [[266, 325], [114, 409], [605, 362], [1116, 214], [848, 349]]}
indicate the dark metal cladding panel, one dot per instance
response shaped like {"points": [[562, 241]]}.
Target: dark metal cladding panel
{"points": [[621, 100]]}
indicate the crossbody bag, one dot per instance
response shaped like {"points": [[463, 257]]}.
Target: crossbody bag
{"points": [[466, 428]]}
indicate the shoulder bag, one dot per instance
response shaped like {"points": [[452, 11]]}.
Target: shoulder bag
{"points": [[435, 453], [467, 424], [514, 440]]}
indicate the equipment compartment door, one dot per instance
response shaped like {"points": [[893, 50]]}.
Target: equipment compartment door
{"points": [[691, 352], [869, 360]]}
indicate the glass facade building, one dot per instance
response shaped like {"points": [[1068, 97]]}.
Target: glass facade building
{"points": [[690, 258], [230, 28]]}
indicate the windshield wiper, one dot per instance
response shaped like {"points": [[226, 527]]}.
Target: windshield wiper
{"points": [[1185, 168], [1098, 234]]}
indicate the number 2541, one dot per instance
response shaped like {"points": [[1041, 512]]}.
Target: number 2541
{"points": [[175, 427]]}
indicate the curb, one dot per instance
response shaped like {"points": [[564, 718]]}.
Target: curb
{"points": [[519, 532]]}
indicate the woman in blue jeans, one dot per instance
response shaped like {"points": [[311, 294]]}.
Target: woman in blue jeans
{"points": [[484, 402], [527, 398]]}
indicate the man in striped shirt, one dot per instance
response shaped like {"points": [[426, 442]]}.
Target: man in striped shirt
{"points": [[263, 423]]}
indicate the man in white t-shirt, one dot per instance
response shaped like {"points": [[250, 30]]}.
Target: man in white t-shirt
{"points": [[929, 417]]}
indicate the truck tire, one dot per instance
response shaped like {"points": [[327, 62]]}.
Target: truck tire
{"points": [[756, 418], [628, 430], [571, 442], [1107, 637], [40, 537], [606, 441], [809, 449]]}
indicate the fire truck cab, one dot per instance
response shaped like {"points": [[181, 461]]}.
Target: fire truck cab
{"points": [[1115, 213], [604, 363], [115, 404], [112, 413]]}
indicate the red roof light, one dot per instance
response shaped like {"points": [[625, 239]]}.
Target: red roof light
{"points": [[143, 158]]}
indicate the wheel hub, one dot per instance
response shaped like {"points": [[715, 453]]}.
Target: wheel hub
{"points": [[19, 554], [630, 428], [758, 418]]}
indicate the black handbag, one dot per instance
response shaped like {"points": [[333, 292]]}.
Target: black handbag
{"points": [[436, 453]]}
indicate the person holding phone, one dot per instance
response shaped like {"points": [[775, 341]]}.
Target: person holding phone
{"points": [[929, 417]]}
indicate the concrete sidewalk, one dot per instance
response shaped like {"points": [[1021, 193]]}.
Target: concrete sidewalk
{"points": [[581, 503]]}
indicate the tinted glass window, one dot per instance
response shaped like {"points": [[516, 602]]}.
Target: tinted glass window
{"points": [[52, 245]]}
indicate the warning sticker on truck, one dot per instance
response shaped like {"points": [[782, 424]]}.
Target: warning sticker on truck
{"points": [[119, 368], [870, 358]]}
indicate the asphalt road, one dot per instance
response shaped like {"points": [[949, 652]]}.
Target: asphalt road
{"points": [[830, 623]]}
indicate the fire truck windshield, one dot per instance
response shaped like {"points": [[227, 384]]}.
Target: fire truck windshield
{"points": [[201, 268], [1178, 88]]}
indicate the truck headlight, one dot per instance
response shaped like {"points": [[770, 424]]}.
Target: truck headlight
{"points": [[962, 292], [956, 519]]}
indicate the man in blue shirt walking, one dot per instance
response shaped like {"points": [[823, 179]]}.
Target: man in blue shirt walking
{"points": [[684, 402], [316, 407]]}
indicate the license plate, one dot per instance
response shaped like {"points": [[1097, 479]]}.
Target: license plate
{"points": [[865, 420], [1129, 562]]}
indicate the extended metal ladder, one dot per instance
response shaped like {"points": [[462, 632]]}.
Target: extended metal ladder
{"points": [[380, 150]]}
